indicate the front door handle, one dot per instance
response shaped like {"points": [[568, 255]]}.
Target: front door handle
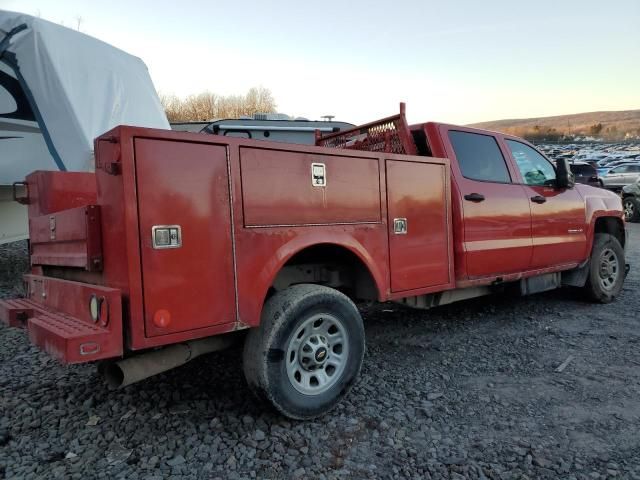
{"points": [[474, 197], [538, 199]]}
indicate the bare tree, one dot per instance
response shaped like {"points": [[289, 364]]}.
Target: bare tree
{"points": [[208, 106]]}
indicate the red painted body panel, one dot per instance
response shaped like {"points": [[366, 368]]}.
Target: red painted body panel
{"points": [[58, 320], [56, 191], [70, 238], [558, 227], [495, 233], [185, 184], [247, 207], [418, 193], [277, 188], [15, 312], [599, 203]]}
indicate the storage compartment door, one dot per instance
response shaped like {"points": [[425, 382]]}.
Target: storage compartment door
{"points": [[184, 208], [418, 226]]}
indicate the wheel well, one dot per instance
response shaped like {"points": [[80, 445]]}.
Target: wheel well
{"points": [[612, 226], [330, 265]]}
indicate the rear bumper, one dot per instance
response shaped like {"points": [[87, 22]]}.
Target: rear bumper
{"points": [[57, 318]]}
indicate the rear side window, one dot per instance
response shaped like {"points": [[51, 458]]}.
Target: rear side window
{"points": [[479, 157]]}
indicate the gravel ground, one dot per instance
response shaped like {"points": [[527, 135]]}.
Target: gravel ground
{"points": [[469, 390]]}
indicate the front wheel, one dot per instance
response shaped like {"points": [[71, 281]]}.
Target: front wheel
{"points": [[606, 269], [631, 210], [307, 352]]}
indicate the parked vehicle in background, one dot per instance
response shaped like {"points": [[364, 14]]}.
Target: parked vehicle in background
{"points": [[621, 175], [52, 80], [602, 171], [274, 127], [631, 202], [586, 173]]}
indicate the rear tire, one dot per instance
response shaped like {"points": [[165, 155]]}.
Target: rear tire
{"points": [[631, 209], [307, 352], [606, 269]]}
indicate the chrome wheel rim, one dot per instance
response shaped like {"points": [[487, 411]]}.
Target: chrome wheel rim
{"points": [[317, 354], [609, 269], [629, 208]]}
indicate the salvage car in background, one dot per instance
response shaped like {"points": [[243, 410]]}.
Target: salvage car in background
{"points": [[631, 201], [585, 173], [621, 175]]}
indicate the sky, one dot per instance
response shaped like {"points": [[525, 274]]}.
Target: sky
{"points": [[457, 61]]}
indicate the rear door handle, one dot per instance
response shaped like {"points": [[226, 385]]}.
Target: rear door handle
{"points": [[538, 199], [474, 197]]}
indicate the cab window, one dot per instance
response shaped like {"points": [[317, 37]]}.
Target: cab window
{"points": [[479, 157], [535, 169]]}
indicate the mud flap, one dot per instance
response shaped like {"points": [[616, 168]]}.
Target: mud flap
{"points": [[576, 277]]}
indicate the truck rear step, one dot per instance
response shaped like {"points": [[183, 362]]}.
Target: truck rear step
{"points": [[61, 323], [15, 312], [68, 339]]}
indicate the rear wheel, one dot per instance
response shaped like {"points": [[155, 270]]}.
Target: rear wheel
{"points": [[631, 209], [307, 352], [606, 269]]}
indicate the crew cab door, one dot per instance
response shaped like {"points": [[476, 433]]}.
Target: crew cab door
{"points": [[495, 210], [185, 235], [558, 217]]}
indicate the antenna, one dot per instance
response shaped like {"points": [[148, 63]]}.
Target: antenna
{"points": [[328, 118]]}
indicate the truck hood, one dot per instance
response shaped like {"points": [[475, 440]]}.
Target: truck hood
{"points": [[77, 87]]}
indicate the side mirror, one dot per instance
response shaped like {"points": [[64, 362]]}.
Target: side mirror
{"points": [[564, 177]]}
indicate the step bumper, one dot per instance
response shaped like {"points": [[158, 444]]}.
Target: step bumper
{"points": [[57, 316]]}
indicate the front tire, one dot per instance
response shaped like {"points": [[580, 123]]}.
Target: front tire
{"points": [[307, 352], [606, 269], [631, 209]]}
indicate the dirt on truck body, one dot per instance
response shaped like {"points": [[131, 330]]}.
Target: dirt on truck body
{"points": [[191, 242]]}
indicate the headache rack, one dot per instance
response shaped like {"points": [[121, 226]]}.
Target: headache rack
{"points": [[389, 135]]}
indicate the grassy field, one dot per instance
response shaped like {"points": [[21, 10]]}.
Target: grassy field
{"points": [[617, 122]]}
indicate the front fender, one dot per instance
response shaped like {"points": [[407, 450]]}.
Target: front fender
{"points": [[600, 203]]}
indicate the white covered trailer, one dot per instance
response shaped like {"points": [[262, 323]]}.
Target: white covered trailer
{"points": [[59, 89]]}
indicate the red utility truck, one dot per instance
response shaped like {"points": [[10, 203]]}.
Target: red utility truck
{"points": [[182, 243]]}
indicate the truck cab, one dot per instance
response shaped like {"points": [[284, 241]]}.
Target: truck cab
{"points": [[509, 215]]}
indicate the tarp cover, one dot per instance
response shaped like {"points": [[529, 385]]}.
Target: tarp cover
{"points": [[81, 88]]}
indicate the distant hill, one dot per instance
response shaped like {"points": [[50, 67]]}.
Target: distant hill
{"points": [[610, 125]]}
